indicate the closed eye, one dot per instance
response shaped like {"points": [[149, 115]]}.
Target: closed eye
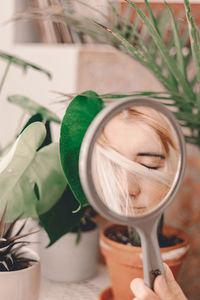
{"points": [[149, 167], [152, 161]]}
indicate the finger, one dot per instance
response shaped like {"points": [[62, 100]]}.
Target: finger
{"points": [[141, 291], [168, 290]]}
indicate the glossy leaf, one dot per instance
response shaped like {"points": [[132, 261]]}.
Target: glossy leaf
{"points": [[76, 121], [61, 218]]}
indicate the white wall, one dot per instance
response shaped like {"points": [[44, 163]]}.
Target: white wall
{"points": [[60, 60]]}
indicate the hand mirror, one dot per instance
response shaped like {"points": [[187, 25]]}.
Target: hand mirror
{"points": [[131, 165]]}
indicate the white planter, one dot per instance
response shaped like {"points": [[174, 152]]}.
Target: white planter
{"points": [[66, 261], [23, 284]]}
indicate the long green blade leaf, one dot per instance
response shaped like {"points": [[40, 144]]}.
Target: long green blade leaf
{"points": [[177, 41], [195, 43], [151, 15], [172, 67]]}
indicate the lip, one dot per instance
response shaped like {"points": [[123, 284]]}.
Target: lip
{"points": [[139, 210], [139, 207]]}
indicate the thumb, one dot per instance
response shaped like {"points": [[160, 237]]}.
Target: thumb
{"points": [[168, 289]]}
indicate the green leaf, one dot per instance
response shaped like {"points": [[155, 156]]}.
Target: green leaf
{"points": [[23, 168], [34, 108], [23, 63], [39, 118], [61, 219], [172, 67], [195, 43], [136, 94], [76, 121], [177, 41], [151, 15]]}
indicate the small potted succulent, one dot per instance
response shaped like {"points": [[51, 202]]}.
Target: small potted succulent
{"points": [[19, 265]]}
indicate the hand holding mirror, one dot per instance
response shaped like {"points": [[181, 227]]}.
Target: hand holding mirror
{"points": [[131, 164]]}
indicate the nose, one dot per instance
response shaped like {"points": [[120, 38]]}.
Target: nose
{"points": [[134, 186]]}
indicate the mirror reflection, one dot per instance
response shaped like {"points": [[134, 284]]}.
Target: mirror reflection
{"points": [[135, 160]]}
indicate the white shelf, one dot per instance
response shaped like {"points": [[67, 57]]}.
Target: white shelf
{"points": [[86, 290]]}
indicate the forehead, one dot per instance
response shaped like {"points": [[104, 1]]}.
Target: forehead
{"points": [[131, 136]]}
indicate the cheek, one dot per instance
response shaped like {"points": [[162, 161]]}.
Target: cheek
{"points": [[154, 192]]}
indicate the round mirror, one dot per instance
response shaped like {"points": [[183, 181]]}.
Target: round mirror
{"points": [[135, 160], [132, 159]]}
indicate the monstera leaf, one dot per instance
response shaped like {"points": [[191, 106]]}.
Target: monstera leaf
{"points": [[31, 181], [76, 121], [34, 108]]}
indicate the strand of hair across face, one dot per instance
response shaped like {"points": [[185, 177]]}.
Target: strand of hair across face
{"points": [[133, 167]]}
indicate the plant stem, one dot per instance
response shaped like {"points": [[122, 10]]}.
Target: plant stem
{"points": [[5, 75]]}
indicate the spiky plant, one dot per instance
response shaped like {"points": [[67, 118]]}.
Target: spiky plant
{"points": [[12, 255]]}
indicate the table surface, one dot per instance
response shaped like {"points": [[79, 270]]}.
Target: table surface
{"points": [[85, 290]]}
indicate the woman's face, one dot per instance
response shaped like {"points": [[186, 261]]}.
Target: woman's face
{"points": [[139, 143]]}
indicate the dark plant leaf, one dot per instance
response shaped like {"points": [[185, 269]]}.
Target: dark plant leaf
{"points": [[76, 121], [61, 218], [11, 226], [48, 138], [22, 227], [33, 118], [36, 191]]}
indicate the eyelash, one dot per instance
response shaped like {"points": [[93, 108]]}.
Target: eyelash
{"points": [[151, 168]]}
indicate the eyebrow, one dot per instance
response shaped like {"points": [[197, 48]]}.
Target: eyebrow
{"points": [[151, 154]]}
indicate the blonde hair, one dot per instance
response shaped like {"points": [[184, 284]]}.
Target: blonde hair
{"points": [[111, 168]]}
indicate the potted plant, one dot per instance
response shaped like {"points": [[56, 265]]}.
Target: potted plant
{"points": [[123, 256], [47, 198], [119, 244], [169, 59], [55, 214], [74, 256], [19, 265]]}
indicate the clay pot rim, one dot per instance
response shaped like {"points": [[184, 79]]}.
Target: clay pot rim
{"points": [[123, 247]]}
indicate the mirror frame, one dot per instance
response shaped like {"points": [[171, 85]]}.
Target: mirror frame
{"points": [[86, 152]]}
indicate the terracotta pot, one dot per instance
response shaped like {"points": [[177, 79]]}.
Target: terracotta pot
{"points": [[23, 284], [125, 262]]}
